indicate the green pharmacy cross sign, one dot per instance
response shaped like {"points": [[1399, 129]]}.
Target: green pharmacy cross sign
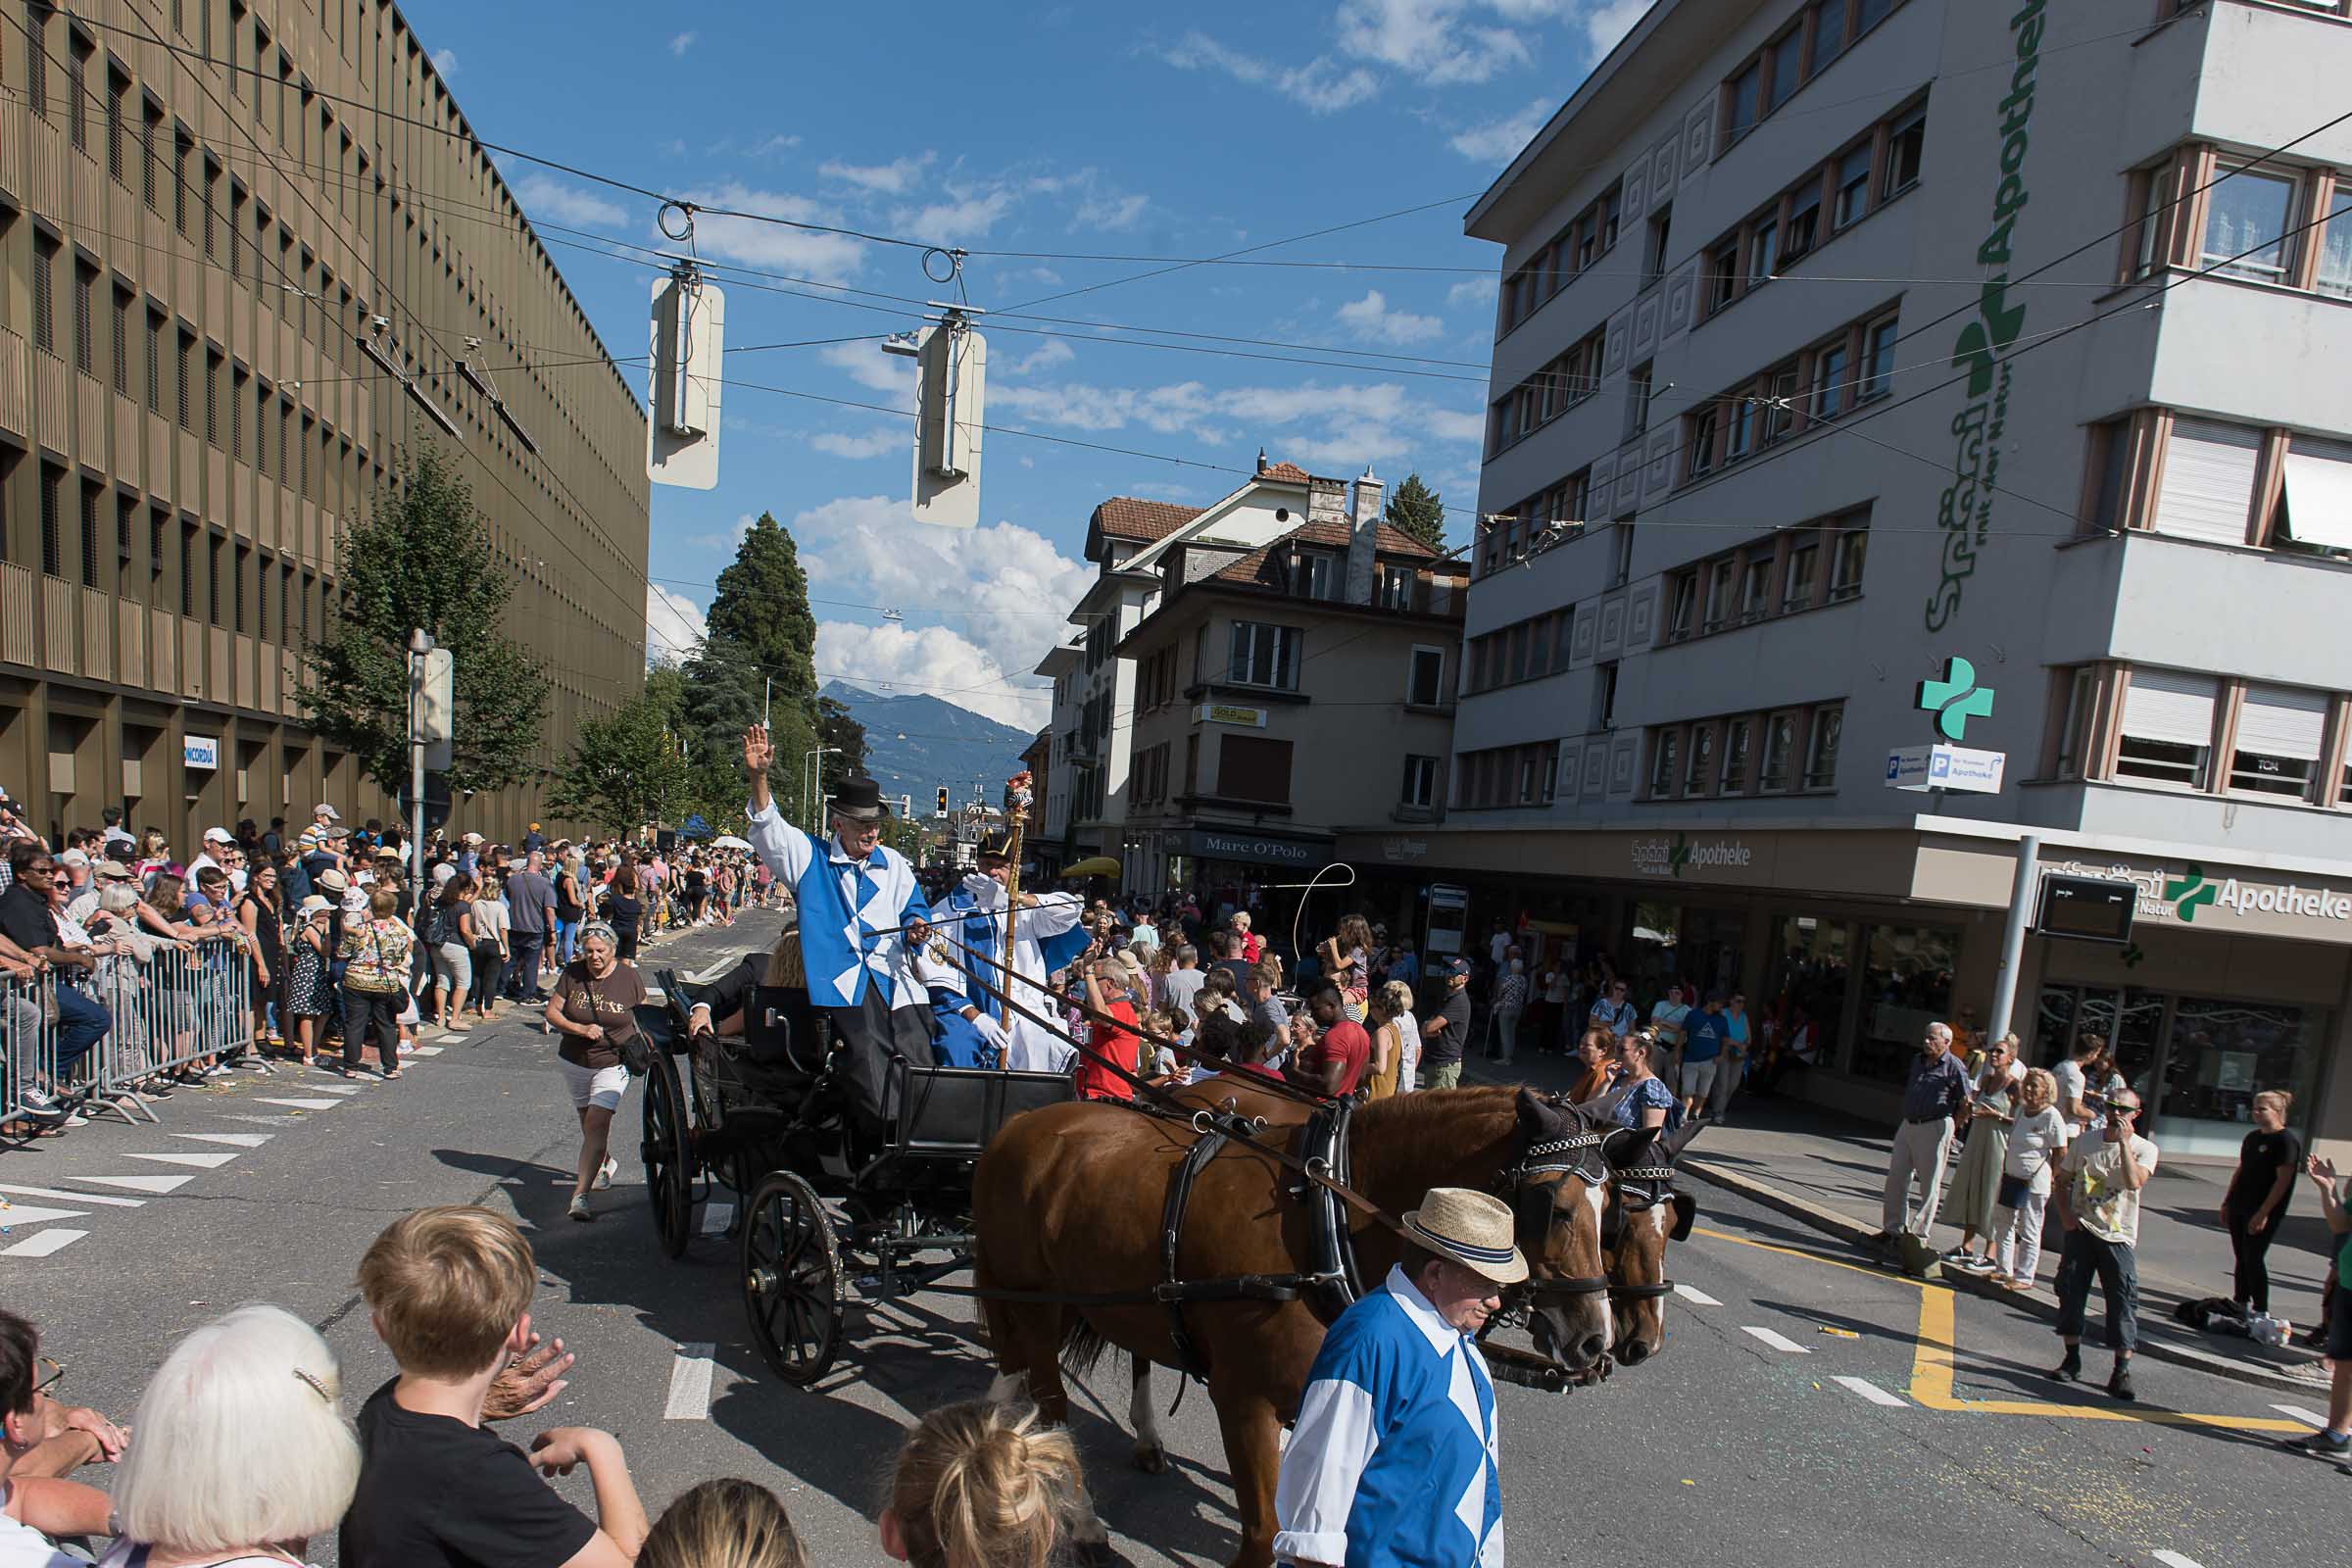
{"points": [[1955, 699]]}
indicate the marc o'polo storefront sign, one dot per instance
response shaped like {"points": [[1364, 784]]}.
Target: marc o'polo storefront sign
{"points": [[2211, 900], [1216, 844]]}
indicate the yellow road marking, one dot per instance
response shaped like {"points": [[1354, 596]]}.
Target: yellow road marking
{"points": [[1932, 1350]]}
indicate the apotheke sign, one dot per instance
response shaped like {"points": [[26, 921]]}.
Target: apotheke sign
{"points": [[2182, 896], [1672, 856]]}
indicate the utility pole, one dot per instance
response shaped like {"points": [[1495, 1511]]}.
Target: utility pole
{"points": [[420, 644]]}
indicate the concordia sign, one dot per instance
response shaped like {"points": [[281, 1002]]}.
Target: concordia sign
{"points": [[1965, 509]]}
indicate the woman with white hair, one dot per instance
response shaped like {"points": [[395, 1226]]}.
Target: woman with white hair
{"points": [[243, 1452], [594, 1010]]}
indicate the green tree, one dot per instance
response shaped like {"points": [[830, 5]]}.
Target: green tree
{"points": [[624, 770], [421, 557], [762, 607], [1414, 509], [834, 727]]}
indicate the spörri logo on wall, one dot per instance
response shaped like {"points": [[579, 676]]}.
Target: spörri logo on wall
{"points": [[1965, 509], [1672, 856]]}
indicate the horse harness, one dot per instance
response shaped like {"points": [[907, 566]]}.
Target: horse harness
{"points": [[1638, 1189]]}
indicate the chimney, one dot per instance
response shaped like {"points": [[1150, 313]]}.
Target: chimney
{"points": [[1364, 538], [1261, 460]]}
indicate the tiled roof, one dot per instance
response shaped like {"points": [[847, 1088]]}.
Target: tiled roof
{"points": [[1126, 517], [1255, 571], [1286, 473]]}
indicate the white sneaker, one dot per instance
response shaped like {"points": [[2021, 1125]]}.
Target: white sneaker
{"points": [[579, 1207], [606, 1172]]}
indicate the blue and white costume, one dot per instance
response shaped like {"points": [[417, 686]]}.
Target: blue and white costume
{"points": [[1394, 1460], [1046, 938], [957, 1041], [850, 912]]}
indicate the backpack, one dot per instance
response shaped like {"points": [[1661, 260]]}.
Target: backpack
{"points": [[436, 926]]}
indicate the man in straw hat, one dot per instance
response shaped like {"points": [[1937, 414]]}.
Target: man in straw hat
{"points": [[1394, 1457], [862, 918]]}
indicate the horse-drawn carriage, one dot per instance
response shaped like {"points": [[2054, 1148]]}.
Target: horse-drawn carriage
{"points": [[826, 1211]]}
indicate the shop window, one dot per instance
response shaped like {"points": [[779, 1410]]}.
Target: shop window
{"points": [[1906, 985], [1821, 747], [1738, 735], [2277, 750], [2167, 728], [1253, 767], [2218, 1056], [2247, 214], [1779, 744], [1813, 970]]}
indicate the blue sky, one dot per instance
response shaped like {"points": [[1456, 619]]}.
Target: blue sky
{"points": [[1070, 130]]}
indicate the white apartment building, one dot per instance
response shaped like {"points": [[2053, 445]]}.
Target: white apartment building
{"points": [[1842, 338]]}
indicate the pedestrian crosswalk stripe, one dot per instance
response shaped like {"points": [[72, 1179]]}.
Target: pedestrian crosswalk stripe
{"points": [[26, 1214], [344, 1090], [200, 1162], [2174, 1559], [1695, 1297], [424, 1050], [44, 1244], [298, 1105], [690, 1383], [1779, 1341], [239, 1140], [268, 1121], [72, 1197], [1872, 1391], [157, 1185], [2310, 1418]]}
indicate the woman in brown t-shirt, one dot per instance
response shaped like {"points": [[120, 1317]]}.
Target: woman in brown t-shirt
{"points": [[594, 1010]]}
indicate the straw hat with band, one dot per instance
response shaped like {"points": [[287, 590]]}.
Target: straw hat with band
{"points": [[1473, 1229]]}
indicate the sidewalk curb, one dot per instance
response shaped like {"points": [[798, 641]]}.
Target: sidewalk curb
{"points": [[2039, 1303]]}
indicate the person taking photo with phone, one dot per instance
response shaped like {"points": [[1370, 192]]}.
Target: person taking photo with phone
{"points": [[2098, 1210]]}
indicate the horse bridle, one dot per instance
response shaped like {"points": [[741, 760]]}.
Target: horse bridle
{"points": [[1576, 1154], [1653, 1185]]}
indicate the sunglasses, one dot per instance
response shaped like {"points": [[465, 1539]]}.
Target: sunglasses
{"points": [[52, 1374]]}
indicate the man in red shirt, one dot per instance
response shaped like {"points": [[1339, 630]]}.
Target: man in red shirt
{"points": [[1334, 1063], [1106, 994]]}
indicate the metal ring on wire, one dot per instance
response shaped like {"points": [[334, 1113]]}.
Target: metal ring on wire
{"points": [[684, 210], [955, 260]]}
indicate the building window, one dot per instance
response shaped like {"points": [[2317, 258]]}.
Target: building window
{"points": [[2208, 485], [1784, 63], [1604, 703], [1829, 388], [1636, 398], [1744, 102], [1253, 767], [1740, 429], [1821, 747], [1653, 247], [1698, 776], [2315, 499], [1846, 559], [1804, 223], [1396, 588], [53, 547], [1906, 147], [1264, 655], [1828, 36], [1779, 740], [1624, 572], [1662, 763], [1719, 592], [1420, 782], [122, 344], [36, 51], [2277, 747], [1682, 606], [184, 371], [2246, 220], [1738, 734], [1796, 587], [1878, 361], [2074, 729], [118, 90], [1853, 188], [1425, 680], [45, 303], [85, 327], [2149, 248], [2167, 728], [1763, 257], [2334, 274], [78, 93], [1780, 404]]}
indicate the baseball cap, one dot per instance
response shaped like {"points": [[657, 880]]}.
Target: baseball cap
{"points": [[114, 869], [75, 859], [1458, 966], [219, 835], [444, 871]]}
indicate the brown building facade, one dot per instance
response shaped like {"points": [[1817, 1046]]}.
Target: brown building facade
{"points": [[249, 256]]}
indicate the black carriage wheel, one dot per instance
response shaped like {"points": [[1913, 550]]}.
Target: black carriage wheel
{"points": [[669, 1180], [792, 1278]]}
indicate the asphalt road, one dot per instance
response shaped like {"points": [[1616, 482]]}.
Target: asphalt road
{"points": [[1755, 1437]]}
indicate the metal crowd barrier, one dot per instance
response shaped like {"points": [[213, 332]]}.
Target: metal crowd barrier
{"points": [[177, 1007]]}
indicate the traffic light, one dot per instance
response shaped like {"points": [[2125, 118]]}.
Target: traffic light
{"points": [[943, 800]]}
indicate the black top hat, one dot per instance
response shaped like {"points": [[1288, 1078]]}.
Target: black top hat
{"points": [[857, 799], [997, 845]]}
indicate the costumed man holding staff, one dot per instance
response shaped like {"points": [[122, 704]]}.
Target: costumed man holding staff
{"points": [[862, 920], [1046, 936]]}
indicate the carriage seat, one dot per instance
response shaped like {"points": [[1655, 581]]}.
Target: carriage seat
{"points": [[953, 1112]]}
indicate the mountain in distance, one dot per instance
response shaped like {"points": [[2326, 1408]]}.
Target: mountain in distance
{"points": [[944, 745]]}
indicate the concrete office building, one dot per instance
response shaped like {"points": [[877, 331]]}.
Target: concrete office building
{"points": [[1840, 338], [253, 256]]}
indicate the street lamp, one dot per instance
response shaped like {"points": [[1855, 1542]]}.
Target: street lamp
{"points": [[813, 783]]}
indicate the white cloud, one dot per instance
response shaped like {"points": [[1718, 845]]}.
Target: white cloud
{"points": [[871, 444], [932, 660], [1333, 428], [1051, 352], [1473, 291], [961, 217], [1430, 40], [774, 146], [893, 178], [1371, 318], [1610, 21], [827, 258], [673, 625], [1321, 85], [445, 61], [546, 197], [871, 368], [1110, 213], [1498, 141], [681, 43]]}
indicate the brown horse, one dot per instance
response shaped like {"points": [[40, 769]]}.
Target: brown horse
{"points": [[1068, 1200]]}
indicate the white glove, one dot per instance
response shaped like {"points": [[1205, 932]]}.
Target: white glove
{"points": [[993, 1032]]}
